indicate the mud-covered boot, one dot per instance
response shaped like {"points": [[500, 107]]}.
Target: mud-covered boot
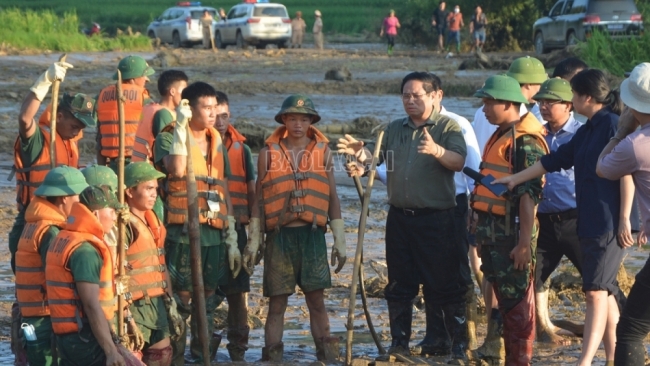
{"points": [[436, 341], [215, 342], [470, 297], [456, 323], [178, 344], [273, 353], [327, 349], [401, 316], [493, 350], [196, 351], [237, 343], [519, 330]]}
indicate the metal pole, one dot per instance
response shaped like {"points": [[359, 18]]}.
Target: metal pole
{"points": [[357, 256], [55, 103]]}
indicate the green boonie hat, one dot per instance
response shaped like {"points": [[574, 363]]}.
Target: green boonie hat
{"points": [[62, 181], [97, 175], [136, 173], [82, 108], [98, 197], [133, 67], [298, 103], [527, 70], [555, 89], [501, 87]]}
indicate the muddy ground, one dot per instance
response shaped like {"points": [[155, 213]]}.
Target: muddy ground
{"points": [[257, 81]]}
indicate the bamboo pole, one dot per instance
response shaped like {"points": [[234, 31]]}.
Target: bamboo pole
{"points": [[121, 225], [55, 103]]}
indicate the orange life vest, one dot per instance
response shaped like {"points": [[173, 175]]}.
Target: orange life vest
{"points": [[296, 193], [210, 185], [109, 122], [144, 138], [28, 179], [237, 185], [30, 272], [66, 308], [497, 158], [146, 258]]}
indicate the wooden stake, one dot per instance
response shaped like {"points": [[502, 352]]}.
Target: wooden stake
{"points": [[55, 103]]}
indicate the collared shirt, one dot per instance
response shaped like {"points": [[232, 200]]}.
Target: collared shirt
{"points": [[463, 183], [418, 180], [631, 156], [484, 129], [598, 199], [560, 187]]}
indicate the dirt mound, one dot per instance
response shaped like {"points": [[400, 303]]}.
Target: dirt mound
{"points": [[483, 62], [338, 74], [551, 60]]}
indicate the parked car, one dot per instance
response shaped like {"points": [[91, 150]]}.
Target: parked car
{"points": [[180, 25], [254, 23], [570, 21]]}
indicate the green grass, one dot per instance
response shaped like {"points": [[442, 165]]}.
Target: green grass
{"points": [[45, 30], [339, 16], [616, 56]]}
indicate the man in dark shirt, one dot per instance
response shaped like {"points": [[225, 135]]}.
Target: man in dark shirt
{"points": [[439, 21]]}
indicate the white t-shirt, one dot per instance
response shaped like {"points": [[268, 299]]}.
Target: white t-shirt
{"points": [[484, 129]]}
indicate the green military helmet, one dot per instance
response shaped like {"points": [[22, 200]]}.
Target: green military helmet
{"points": [[62, 181], [501, 87], [81, 106], [555, 89], [298, 103], [98, 175], [98, 197], [527, 70], [136, 173], [133, 67]]}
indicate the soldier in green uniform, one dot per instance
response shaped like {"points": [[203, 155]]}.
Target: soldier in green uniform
{"points": [[506, 230]]}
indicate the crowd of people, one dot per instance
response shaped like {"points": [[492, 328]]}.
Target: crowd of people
{"points": [[571, 190]]}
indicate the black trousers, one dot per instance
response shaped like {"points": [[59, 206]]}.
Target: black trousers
{"points": [[634, 324], [556, 239], [462, 240], [422, 249]]}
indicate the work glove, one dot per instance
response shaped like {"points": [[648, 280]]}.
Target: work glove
{"points": [[122, 284], [175, 320], [339, 249], [234, 256], [56, 71], [179, 141], [252, 249], [136, 339], [123, 213]]}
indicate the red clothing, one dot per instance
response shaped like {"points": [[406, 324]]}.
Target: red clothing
{"points": [[454, 20], [390, 25]]}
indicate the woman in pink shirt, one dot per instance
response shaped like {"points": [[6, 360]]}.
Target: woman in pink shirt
{"points": [[389, 26]]}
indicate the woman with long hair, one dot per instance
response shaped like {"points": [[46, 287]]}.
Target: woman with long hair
{"points": [[603, 207]]}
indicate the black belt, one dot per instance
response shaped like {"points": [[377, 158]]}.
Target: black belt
{"points": [[414, 211], [560, 216]]}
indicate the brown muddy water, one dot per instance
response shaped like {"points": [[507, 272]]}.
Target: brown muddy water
{"points": [[257, 82]]}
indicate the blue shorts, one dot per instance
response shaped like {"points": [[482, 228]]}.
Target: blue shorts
{"points": [[480, 35]]}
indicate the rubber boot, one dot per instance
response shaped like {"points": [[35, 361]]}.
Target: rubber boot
{"points": [[215, 342], [519, 330], [17, 348], [238, 343], [178, 345], [273, 353], [436, 341], [211, 303], [456, 323], [157, 357], [493, 349], [471, 316], [327, 349], [401, 316]]}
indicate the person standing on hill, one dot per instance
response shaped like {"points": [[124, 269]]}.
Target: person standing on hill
{"points": [[455, 23], [439, 21], [298, 27], [318, 31], [477, 29], [389, 27]]}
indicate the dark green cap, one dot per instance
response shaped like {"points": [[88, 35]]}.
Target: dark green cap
{"points": [[136, 173], [98, 197], [82, 108], [97, 175], [555, 89], [501, 87], [133, 67], [62, 181], [298, 103], [527, 70]]}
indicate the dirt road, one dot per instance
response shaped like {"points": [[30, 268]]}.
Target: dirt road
{"points": [[257, 81]]}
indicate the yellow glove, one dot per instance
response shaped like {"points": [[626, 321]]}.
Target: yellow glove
{"points": [[234, 256], [183, 116], [56, 71], [136, 339], [339, 249], [252, 250]]}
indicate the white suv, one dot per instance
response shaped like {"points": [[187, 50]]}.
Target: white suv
{"points": [[181, 24], [258, 23]]}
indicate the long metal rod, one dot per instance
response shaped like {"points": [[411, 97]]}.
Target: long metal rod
{"points": [[55, 104], [358, 254]]}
